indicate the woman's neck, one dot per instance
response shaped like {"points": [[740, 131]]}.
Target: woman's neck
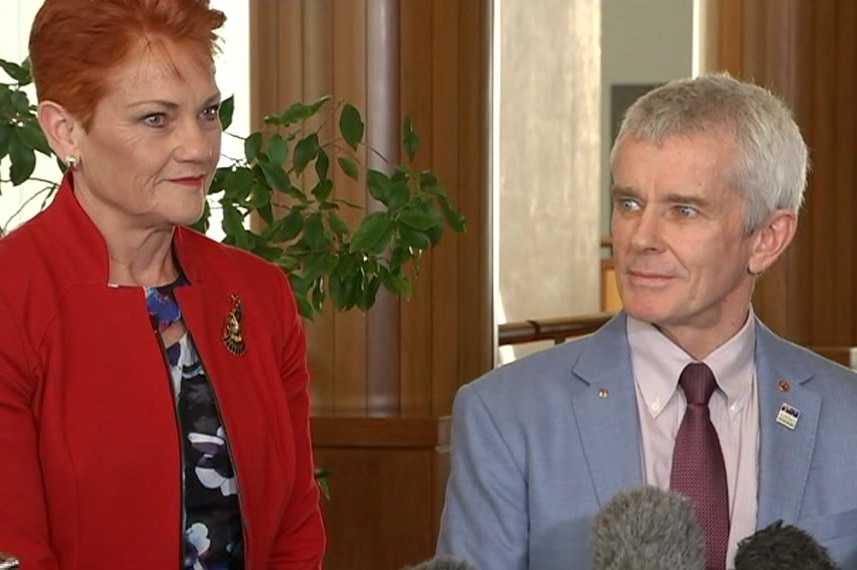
{"points": [[139, 255]]}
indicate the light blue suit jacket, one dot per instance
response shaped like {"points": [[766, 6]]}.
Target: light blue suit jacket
{"points": [[536, 452]]}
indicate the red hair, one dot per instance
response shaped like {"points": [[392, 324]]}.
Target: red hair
{"points": [[76, 44]]}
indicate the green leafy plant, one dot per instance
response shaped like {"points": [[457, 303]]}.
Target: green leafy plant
{"points": [[285, 180]]}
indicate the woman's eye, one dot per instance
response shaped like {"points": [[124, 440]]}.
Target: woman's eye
{"points": [[211, 113], [155, 120]]}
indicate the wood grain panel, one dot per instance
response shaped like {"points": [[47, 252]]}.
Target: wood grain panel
{"points": [[407, 356], [475, 281], [417, 90], [383, 134], [805, 51], [387, 478], [445, 74], [348, 340]]}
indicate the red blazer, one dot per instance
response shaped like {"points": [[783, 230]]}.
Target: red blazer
{"points": [[90, 460]]}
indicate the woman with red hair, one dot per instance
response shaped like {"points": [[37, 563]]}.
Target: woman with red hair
{"points": [[154, 410]]}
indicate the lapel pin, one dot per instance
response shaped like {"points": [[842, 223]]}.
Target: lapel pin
{"points": [[784, 385], [232, 335], [788, 416], [603, 393]]}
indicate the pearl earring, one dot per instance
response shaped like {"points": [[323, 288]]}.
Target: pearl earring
{"points": [[71, 161]]}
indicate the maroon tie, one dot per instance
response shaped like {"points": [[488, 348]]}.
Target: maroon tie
{"points": [[698, 471]]}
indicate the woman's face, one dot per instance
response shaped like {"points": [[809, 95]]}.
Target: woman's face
{"points": [[154, 142]]}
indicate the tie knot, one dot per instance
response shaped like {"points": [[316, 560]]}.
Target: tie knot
{"points": [[697, 381]]}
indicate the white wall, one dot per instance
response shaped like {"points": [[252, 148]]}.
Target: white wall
{"points": [[233, 77], [642, 41], [548, 152]]}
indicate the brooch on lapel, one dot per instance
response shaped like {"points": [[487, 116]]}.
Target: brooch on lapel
{"points": [[232, 336]]}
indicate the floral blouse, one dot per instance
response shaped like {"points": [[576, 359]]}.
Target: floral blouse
{"points": [[213, 538]]}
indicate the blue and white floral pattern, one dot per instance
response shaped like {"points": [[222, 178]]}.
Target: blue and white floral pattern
{"points": [[213, 537]]}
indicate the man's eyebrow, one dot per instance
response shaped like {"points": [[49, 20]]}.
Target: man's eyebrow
{"points": [[623, 191], [690, 199], [671, 198]]}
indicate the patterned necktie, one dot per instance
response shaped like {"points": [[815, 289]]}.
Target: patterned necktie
{"points": [[698, 471]]}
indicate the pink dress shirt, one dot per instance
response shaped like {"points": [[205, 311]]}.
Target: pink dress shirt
{"points": [[657, 363]]}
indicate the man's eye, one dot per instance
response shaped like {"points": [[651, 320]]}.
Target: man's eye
{"points": [[628, 205], [686, 211]]}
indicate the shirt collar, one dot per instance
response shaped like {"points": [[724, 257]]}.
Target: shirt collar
{"points": [[658, 362]]}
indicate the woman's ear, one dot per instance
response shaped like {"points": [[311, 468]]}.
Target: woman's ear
{"points": [[61, 129], [771, 239]]}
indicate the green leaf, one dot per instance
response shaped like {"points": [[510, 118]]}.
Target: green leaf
{"points": [[16, 72], [237, 183], [5, 137], [456, 220], [414, 238], [349, 167], [395, 282], [275, 176], [314, 234], [410, 139], [267, 252], [304, 307], [318, 295], [322, 165], [322, 190], [373, 230], [306, 150], [337, 224], [379, 185], [420, 219], [400, 256], [370, 292], [429, 183], [33, 137], [319, 103], [233, 224], [351, 125], [252, 146], [20, 103], [296, 113], [266, 213], [278, 149], [399, 196], [289, 226], [23, 160], [260, 196], [225, 112], [434, 234]]}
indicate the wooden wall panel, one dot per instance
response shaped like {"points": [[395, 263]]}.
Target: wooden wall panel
{"points": [[804, 51], [407, 357], [387, 481], [383, 383]]}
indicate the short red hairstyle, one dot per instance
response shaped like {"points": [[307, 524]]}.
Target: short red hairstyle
{"points": [[75, 44]]}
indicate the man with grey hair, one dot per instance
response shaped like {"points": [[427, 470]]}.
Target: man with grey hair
{"points": [[685, 388]]}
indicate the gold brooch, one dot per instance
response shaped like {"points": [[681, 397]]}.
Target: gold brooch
{"points": [[232, 337]]}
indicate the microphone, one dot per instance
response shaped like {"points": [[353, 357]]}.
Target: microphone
{"points": [[647, 529], [778, 547], [441, 563]]}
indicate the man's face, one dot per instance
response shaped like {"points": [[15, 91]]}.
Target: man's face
{"points": [[680, 249]]}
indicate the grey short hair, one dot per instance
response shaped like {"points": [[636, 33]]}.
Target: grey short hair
{"points": [[773, 163]]}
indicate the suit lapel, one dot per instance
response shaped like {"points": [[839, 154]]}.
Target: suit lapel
{"points": [[785, 454], [606, 411]]}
